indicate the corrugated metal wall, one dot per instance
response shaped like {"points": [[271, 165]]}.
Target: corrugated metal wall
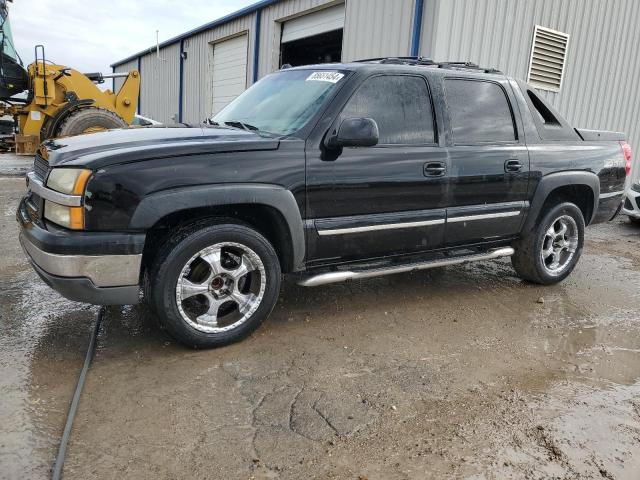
{"points": [[197, 92], [160, 78], [600, 88], [377, 28]]}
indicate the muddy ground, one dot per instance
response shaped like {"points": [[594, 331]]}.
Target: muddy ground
{"points": [[460, 372]]}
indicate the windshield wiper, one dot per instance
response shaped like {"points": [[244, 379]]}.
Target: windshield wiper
{"points": [[240, 126], [244, 126]]}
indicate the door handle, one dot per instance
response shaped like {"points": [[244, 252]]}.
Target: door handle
{"points": [[435, 169], [512, 165]]}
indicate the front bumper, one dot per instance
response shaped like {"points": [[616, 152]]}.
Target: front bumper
{"points": [[631, 205], [91, 267]]}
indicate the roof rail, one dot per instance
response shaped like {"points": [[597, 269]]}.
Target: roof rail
{"points": [[423, 61], [399, 60]]}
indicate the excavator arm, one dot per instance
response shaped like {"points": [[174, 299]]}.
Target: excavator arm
{"points": [[126, 103]]}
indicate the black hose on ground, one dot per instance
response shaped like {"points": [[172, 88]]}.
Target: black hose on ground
{"points": [[62, 449]]}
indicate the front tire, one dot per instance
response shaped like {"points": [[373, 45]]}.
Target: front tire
{"points": [[89, 120], [549, 253], [213, 285]]}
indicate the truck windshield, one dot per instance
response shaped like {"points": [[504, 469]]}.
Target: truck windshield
{"points": [[281, 103]]}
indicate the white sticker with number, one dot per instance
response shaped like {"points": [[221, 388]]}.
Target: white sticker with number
{"points": [[331, 77]]}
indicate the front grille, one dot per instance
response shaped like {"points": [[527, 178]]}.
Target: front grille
{"points": [[40, 167], [41, 170]]}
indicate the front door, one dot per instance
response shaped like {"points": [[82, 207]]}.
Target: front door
{"points": [[489, 162], [389, 199]]}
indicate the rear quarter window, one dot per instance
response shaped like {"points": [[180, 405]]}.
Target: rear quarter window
{"points": [[479, 112]]}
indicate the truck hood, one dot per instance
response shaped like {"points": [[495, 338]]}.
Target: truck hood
{"points": [[100, 149]]}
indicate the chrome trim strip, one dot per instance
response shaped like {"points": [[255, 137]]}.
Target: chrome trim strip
{"points": [[102, 270], [612, 194], [334, 277], [483, 216], [386, 226], [37, 187]]}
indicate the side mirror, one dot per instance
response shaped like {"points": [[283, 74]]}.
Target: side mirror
{"points": [[354, 132]]}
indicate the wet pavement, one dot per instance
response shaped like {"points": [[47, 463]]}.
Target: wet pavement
{"points": [[14, 165], [461, 372]]}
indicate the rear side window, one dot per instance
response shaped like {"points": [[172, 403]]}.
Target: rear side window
{"points": [[400, 105], [479, 112]]}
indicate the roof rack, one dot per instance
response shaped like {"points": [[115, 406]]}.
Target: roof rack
{"points": [[427, 62]]}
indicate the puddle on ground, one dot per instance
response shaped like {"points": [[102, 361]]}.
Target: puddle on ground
{"points": [[578, 431], [42, 343]]}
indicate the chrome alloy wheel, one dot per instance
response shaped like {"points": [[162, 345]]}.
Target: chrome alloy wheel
{"points": [[559, 245], [220, 287]]}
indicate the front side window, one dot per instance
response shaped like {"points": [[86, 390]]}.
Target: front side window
{"points": [[479, 112], [400, 105], [281, 103]]}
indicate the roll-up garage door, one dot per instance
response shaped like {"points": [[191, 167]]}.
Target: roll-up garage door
{"points": [[314, 23], [229, 70]]}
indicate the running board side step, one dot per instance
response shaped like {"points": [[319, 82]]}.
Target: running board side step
{"points": [[341, 276]]}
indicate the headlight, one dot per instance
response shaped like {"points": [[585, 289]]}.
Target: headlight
{"points": [[635, 187], [71, 181], [70, 217]]}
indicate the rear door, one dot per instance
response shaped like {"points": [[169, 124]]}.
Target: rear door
{"points": [[489, 161]]}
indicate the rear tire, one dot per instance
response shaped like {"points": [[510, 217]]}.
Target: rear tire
{"points": [[89, 120], [549, 253], [213, 284]]}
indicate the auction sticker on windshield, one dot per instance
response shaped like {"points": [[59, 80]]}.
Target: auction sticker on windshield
{"points": [[331, 77]]}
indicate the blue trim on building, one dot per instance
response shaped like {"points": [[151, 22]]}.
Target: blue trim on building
{"points": [[140, 92], [256, 45], [181, 81], [417, 28], [240, 13]]}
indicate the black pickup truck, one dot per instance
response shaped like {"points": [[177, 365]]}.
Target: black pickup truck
{"points": [[326, 173]]}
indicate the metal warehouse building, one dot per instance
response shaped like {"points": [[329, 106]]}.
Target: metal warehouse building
{"points": [[583, 55]]}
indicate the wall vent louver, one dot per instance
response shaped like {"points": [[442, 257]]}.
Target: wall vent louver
{"points": [[548, 56]]}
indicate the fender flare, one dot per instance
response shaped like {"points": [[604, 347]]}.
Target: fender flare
{"points": [[561, 179], [158, 205]]}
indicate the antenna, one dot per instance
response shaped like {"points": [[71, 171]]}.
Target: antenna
{"points": [[158, 47]]}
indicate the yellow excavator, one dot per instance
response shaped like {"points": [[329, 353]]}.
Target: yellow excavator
{"points": [[59, 101]]}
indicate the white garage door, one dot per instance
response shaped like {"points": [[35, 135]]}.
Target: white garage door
{"points": [[229, 71], [314, 23]]}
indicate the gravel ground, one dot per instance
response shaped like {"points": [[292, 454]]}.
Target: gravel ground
{"points": [[461, 372]]}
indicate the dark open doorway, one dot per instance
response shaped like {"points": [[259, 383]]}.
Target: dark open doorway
{"points": [[322, 48]]}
